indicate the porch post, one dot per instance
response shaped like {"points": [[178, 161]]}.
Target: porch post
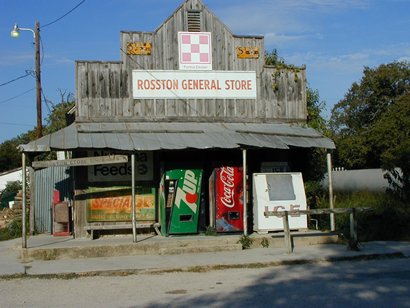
{"points": [[245, 194], [329, 172], [134, 231], [23, 221]]}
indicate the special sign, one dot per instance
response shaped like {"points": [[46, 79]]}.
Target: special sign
{"points": [[115, 204], [188, 84]]}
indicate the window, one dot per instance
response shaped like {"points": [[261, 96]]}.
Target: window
{"points": [[280, 187]]}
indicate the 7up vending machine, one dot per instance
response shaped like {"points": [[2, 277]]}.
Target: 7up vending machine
{"points": [[180, 192]]}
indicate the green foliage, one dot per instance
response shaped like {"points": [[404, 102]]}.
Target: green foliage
{"points": [[316, 157], [370, 113], [272, 58], [211, 231], [13, 230], [371, 125], [10, 156], [9, 192], [315, 194], [57, 118], [265, 243], [388, 220], [246, 241]]}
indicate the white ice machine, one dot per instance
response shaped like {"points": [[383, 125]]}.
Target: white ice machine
{"points": [[282, 191]]}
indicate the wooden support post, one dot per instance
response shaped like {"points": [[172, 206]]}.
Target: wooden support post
{"points": [[329, 172], [353, 226], [32, 199], [245, 194], [134, 223], [288, 239], [23, 219]]}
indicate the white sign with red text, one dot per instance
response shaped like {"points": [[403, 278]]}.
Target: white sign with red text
{"points": [[186, 84]]}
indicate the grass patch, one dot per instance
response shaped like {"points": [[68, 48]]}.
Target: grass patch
{"points": [[388, 220]]}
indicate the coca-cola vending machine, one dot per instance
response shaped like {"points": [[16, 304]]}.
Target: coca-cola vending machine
{"points": [[226, 199], [180, 198]]}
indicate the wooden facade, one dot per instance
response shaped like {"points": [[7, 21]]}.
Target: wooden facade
{"points": [[104, 89]]}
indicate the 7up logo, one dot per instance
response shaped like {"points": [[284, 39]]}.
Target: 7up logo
{"points": [[189, 191]]}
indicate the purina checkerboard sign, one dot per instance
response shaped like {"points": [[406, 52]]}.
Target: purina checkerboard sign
{"points": [[195, 51], [154, 84]]}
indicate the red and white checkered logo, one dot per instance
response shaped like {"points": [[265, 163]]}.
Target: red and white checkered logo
{"points": [[195, 51]]}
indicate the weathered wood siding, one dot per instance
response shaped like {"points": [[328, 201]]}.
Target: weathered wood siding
{"points": [[104, 89]]}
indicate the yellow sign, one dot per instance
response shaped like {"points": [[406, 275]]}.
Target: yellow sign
{"points": [[139, 48], [116, 205], [247, 52]]}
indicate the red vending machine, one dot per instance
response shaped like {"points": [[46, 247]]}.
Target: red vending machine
{"points": [[226, 199]]}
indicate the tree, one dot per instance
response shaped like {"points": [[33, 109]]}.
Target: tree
{"points": [[371, 125], [391, 137], [10, 156], [272, 58]]}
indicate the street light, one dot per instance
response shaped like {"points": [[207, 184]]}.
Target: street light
{"points": [[15, 33]]}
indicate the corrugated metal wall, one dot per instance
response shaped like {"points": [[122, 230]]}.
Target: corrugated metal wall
{"points": [[46, 181]]}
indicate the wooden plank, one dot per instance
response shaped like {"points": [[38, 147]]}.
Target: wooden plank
{"points": [[99, 83], [117, 226], [287, 238], [317, 211], [84, 161]]}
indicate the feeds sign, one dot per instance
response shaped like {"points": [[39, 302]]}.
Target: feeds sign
{"points": [[200, 84]]}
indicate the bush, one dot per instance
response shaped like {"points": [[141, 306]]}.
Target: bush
{"points": [[389, 218], [8, 193], [13, 230]]}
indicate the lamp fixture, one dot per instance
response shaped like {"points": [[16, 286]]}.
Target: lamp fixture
{"points": [[16, 31]]}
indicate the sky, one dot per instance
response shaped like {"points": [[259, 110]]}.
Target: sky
{"points": [[335, 39]]}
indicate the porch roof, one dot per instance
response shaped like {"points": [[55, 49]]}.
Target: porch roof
{"points": [[149, 136]]}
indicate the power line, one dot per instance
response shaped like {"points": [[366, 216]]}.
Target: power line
{"points": [[14, 97], [15, 124], [15, 79], [50, 23], [177, 97]]}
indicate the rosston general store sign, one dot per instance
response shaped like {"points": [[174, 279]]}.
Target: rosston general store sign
{"points": [[189, 84]]}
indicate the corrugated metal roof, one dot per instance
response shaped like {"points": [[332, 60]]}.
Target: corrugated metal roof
{"points": [[147, 136]]}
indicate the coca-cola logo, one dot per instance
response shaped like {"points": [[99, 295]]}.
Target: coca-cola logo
{"points": [[227, 177]]}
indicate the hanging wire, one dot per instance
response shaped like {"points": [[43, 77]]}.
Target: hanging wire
{"points": [[15, 124], [14, 97], [58, 19], [15, 79], [147, 71]]}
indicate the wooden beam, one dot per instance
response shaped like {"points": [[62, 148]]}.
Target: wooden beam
{"points": [[84, 161]]}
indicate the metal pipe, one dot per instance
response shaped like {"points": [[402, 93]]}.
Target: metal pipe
{"points": [[245, 194], [329, 172], [134, 225]]}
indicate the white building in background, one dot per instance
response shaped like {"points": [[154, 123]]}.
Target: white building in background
{"points": [[10, 176]]}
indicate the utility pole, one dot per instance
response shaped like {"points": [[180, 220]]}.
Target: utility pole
{"points": [[36, 34], [39, 131]]}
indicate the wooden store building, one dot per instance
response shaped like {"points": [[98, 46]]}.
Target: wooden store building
{"points": [[178, 136]]}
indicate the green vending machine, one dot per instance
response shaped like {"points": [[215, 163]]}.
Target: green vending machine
{"points": [[180, 197]]}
